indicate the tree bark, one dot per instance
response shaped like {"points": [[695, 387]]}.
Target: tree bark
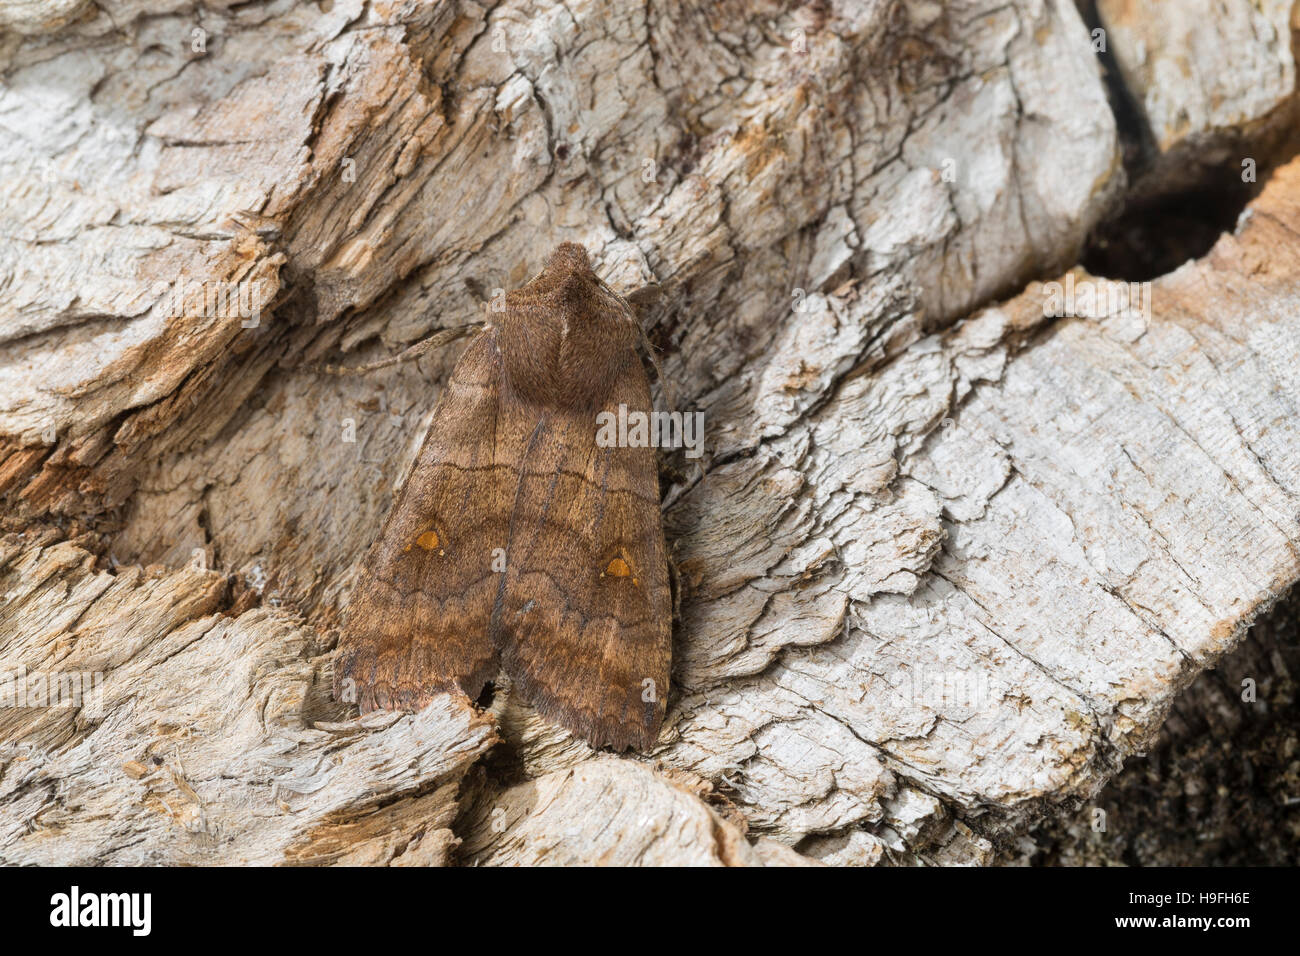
{"points": [[952, 559]]}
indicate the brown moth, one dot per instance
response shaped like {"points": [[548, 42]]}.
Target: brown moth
{"points": [[518, 542]]}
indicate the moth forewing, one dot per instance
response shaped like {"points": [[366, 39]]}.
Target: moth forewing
{"points": [[579, 612]]}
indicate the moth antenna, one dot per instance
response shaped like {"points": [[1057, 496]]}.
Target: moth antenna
{"points": [[645, 341], [667, 389], [669, 397], [436, 341]]}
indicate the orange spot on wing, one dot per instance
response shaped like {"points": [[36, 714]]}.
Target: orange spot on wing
{"points": [[618, 568], [428, 540]]}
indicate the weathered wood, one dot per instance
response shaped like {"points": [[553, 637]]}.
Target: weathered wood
{"points": [[1213, 84], [196, 744], [611, 812], [943, 572]]}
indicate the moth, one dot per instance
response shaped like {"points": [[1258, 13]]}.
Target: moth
{"points": [[519, 542]]}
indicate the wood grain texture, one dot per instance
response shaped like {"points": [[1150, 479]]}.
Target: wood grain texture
{"points": [[1214, 85], [953, 560]]}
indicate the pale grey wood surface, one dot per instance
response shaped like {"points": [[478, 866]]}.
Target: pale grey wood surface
{"points": [[951, 561]]}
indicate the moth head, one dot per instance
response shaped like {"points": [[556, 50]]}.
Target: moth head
{"points": [[569, 257]]}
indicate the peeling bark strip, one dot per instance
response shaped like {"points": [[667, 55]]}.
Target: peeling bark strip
{"points": [[953, 559], [518, 541]]}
